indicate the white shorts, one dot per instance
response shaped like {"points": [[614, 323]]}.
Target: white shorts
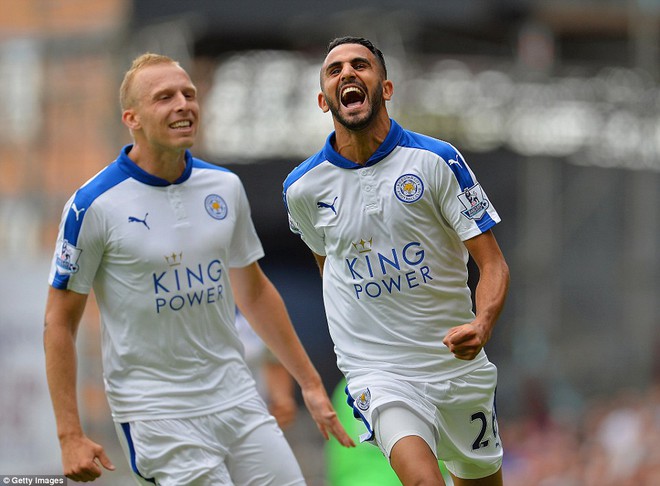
{"points": [[242, 446], [456, 418]]}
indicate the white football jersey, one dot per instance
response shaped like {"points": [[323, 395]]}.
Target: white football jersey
{"points": [[392, 231], [157, 255]]}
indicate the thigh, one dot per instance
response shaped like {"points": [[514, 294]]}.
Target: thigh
{"points": [[394, 422], [263, 457], [415, 463], [409, 442], [469, 443]]}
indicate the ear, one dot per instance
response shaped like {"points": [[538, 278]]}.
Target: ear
{"points": [[388, 90], [130, 119], [322, 103]]}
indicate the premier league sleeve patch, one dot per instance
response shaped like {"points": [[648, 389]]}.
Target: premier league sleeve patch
{"points": [[474, 201], [67, 258]]}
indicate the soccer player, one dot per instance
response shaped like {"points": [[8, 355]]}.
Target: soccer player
{"points": [[167, 243], [391, 217]]}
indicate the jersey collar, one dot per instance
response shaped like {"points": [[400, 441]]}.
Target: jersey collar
{"points": [[389, 144], [136, 172]]}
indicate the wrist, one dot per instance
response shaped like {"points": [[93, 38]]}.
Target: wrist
{"points": [[311, 382], [484, 328], [70, 435]]}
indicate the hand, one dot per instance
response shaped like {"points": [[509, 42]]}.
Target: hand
{"points": [[465, 341], [81, 458], [319, 406]]}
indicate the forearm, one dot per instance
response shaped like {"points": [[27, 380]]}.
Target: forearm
{"points": [[61, 375], [490, 295], [64, 310]]}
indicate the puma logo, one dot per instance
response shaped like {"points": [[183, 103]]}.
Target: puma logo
{"points": [[75, 209], [133, 219], [321, 204]]}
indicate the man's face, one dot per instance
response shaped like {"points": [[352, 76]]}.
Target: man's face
{"points": [[166, 111], [353, 86]]}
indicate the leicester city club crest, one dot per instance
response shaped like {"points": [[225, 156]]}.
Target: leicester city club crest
{"points": [[363, 400], [216, 206], [474, 201], [408, 188]]}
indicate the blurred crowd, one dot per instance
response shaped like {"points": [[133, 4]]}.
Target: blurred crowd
{"points": [[614, 442]]}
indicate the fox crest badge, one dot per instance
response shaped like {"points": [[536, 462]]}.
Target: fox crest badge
{"points": [[363, 400]]}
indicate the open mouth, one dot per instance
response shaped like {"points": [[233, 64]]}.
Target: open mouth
{"points": [[352, 96], [181, 124]]}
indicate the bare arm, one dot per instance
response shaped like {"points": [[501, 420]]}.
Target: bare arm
{"points": [[64, 310], [281, 392], [467, 340], [263, 307]]}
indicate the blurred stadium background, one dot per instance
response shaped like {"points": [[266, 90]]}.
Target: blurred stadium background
{"points": [[554, 103]]}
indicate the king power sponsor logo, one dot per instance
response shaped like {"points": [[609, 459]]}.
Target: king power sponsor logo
{"points": [[181, 287], [375, 274]]}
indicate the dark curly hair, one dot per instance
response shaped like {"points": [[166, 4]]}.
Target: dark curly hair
{"points": [[363, 42]]}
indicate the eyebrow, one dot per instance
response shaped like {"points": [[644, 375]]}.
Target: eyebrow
{"points": [[352, 61], [170, 89]]}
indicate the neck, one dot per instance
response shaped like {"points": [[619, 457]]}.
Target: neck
{"points": [[359, 145], [165, 164]]}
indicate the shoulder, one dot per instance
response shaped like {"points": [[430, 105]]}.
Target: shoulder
{"points": [[217, 171], [85, 202], [418, 141], [202, 164], [449, 160], [102, 183], [304, 168]]}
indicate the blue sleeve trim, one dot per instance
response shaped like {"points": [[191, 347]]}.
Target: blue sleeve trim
{"points": [[85, 197], [82, 201], [314, 161], [453, 159], [445, 151]]}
